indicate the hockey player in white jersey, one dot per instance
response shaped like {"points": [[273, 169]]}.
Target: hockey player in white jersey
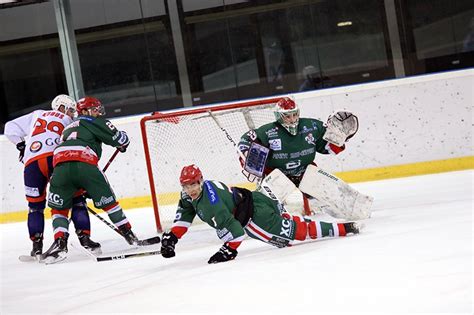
{"points": [[36, 135]]}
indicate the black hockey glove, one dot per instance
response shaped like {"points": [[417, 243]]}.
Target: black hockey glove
{"points": [[125, 140], [20, 146], [168, 242], [224, 254]]}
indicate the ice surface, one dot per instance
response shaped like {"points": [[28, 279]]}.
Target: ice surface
{"points": [[414, 256]]}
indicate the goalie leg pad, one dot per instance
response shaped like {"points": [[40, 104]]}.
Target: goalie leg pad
{"points": [[340, 199], [277, 184]]}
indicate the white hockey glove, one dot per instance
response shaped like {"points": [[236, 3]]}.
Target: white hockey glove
{"points": [[340, 127]]}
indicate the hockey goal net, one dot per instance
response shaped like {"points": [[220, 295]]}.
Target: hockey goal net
{"points": [[173, 140]]}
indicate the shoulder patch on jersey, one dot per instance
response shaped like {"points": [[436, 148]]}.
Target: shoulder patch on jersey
{"points": [[211, 193]]}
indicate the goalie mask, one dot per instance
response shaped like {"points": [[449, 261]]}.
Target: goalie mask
{"points": [[91, 104], [63, 100], [288, 115]]}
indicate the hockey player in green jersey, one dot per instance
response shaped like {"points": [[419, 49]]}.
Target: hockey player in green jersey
{"points": [[234, 212], [76, 168], [290, 144]]}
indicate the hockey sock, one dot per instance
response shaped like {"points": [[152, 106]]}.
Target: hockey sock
{"points": [[116, 215], [60, 222], [319, 229], [301, 228], [80, 217], [35, 222]]}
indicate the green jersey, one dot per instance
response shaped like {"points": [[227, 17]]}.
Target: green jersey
{"points": [[82, 140], [215, 207], [290, 154]]}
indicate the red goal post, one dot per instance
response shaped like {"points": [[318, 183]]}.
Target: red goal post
{"points": [[192, 136]]}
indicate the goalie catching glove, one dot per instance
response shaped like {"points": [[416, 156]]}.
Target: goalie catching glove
{"points": [[224, 254], [340, 127], [168, 242]]}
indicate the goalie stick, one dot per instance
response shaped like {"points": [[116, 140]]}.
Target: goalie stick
{"points": [[265, 188]]}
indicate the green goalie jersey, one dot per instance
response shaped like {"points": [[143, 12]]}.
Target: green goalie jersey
{"points": [[82, 140], [215, 207], [290, 154]]}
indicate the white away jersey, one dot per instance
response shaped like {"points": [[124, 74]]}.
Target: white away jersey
{"points": [[41, 130]]}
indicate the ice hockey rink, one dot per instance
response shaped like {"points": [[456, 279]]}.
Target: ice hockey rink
{"points": [[413, 256]]}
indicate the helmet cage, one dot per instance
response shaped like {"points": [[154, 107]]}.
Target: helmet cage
{"points": [[90, 104], [286, 107]]}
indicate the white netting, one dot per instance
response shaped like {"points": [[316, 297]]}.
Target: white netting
{"points": [[196, 139]]}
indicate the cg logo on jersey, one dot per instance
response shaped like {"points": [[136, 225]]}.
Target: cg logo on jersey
{"points": [[52, 142], [36, 146]]}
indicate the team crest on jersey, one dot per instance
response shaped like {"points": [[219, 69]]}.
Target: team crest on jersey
{"points": [[309, 138], [275, 144], [36, 146]]}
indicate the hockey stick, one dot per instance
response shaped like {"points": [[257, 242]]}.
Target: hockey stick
{"points": [[125, 256], [144, 242], [267, 190], [110, 160]]}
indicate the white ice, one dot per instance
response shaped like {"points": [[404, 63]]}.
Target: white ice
{"points": [[414, 256]]}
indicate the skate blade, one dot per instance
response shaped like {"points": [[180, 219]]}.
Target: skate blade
{"points": [[53, 260], [96, 251], [28, 258]]}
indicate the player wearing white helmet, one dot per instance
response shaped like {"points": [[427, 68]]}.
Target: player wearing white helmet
{"points": [[36, 135], [288, 146]]}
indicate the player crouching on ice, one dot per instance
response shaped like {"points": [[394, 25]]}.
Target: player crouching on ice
{"points": [[234, 212], [281, 156], [76, 168]]}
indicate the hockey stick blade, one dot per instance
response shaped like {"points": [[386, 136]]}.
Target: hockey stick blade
{"points": [[149, 241], [125, 256], [27, 258]]}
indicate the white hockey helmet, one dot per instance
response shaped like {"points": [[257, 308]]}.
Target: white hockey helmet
{"points": [[65, 100], [287, 114]]}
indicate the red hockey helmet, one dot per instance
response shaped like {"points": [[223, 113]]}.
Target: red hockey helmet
{"points": [[190, 174], [88, 103], [287, 114]]}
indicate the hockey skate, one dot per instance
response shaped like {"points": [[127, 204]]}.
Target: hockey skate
{"points": [[57, 252], [129, 236], [353, 227], [37, 245], [88, 244]]}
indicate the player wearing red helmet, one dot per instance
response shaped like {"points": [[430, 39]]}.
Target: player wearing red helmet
{"points": [[75, 161], [234, 212], [36, 135]]}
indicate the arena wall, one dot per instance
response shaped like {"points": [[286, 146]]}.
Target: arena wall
{"points": [[408, 126]]}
